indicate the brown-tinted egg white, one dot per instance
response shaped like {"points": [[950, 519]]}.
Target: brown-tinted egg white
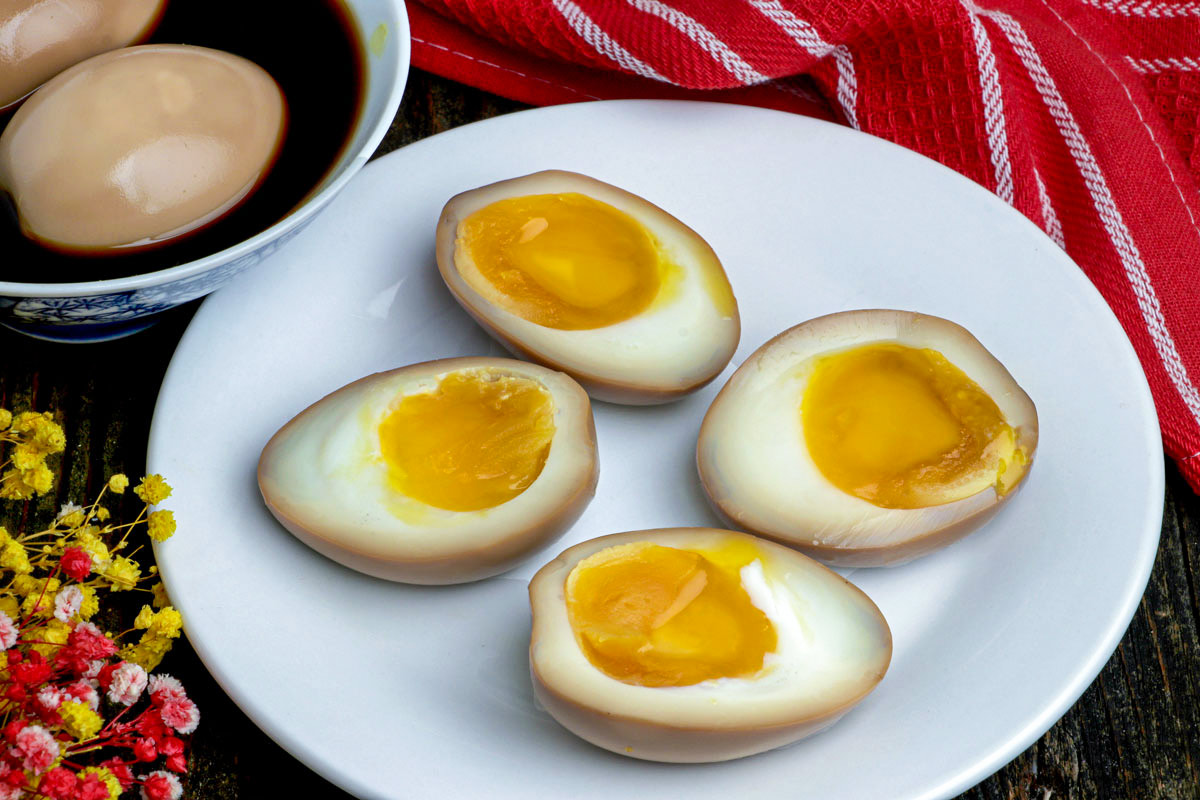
{"points": [[41, 38], [592, 280], [441, 472], [697, 644], [139, 146], [867, 438]]}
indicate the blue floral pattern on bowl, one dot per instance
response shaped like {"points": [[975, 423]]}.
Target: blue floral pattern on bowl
{"points": [[93, 318]]}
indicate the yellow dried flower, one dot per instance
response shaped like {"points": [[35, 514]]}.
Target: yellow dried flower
{"points": [[106, 777], [79, 720], [50, 438], [102, 513], [5, 418], [14, 557], [90, 604], [148, 653], [118, 483], [166, 623], [25, 457], [24, 584], [40, 479], [122, 574], [4, 537], [54, 634], [72, 520], [40, 602], [153, 490], [10, 605], [87, 539], [13, 486], [160, 595], [160, 525], [144, 618]]}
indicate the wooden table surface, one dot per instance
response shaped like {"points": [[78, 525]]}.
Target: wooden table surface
{"points": [[1135, 733]]}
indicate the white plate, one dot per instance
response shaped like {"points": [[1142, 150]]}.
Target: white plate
{"points": [[395, 691]]}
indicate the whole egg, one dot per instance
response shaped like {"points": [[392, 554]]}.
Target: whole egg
{"points": [[139, 146], [698, 644], [440, 472], [40, 38], [592, 280], [867, 438]]}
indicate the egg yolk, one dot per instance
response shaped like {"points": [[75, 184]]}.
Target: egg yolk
{"points": [[476, 441], [902, 427], [659, 616], [564, 261]]}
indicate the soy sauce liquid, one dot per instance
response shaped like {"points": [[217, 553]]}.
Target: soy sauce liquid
{"points": [[309, 47]]}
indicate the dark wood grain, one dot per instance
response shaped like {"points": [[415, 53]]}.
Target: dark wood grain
{"points": [[1135, 733]]}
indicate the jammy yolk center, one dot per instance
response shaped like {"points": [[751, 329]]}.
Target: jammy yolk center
{"points": [[903, 427], [659, 616], [564, 261], [476, 441]]}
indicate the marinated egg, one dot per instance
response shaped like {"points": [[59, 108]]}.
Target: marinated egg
{"points": [[40, 38], [589, 279], [867, 437], [138, 146], [441, 472], [697, 644]]}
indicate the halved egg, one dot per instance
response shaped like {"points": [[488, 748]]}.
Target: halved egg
{"points": [[136, 147], [441, 472], [867, 437], [591, 280], [698, 644]]}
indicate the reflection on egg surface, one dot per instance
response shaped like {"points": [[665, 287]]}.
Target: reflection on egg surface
{"points": [[697, 644], [589, 279], [138, 146], [867, 438], [440, 472], [40, 38]]}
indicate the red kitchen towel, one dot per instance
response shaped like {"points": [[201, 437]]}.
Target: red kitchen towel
{"points": [[1082, 114]]}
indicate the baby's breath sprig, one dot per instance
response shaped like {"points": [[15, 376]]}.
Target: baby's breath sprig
{"points": [[71, 693]]}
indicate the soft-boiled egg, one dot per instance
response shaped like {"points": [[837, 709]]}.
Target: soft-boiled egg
{"points": [[139, 146], [40, 38], [697, 644], [867, 437], [591, 280], [441, 472]]}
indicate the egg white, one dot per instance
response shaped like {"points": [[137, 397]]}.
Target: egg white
{"points": [[833, 645], [680, 341], [755, 464], [325, 470]]}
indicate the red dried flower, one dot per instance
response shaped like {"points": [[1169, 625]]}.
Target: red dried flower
{"points": [[13, 728], [145, 750], [76, 563], [120, 770], [91, 788], [33, 671], [161, 786], [182, 715], [58, 784]]}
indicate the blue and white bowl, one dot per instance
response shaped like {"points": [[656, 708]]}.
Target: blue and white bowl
{"points": [[92, 311]]}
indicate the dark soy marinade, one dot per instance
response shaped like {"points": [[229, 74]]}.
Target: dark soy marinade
{"points": [[310, 48]]}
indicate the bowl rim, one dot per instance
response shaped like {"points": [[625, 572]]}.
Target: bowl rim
{"points": [[295, 219]]}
